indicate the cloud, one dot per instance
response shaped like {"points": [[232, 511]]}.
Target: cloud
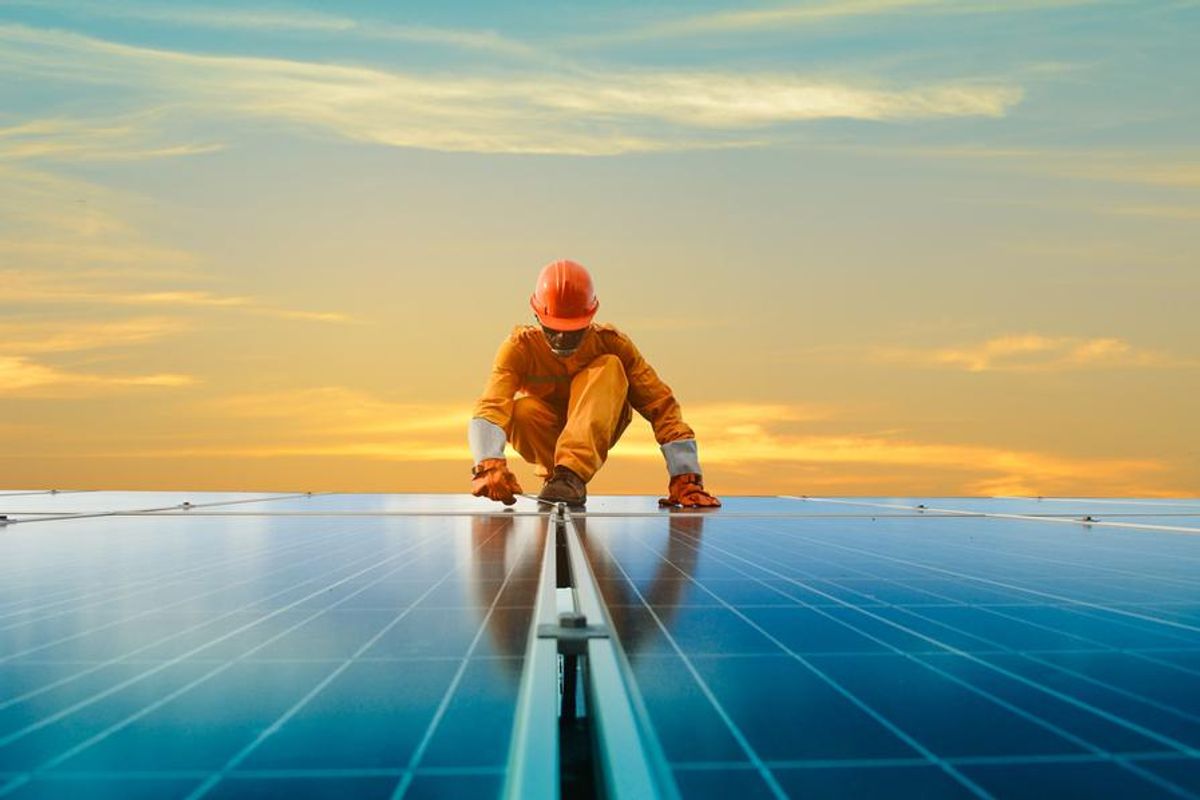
{"points": [[65, 336], [556, 113], [21, 376], [130, 138], [35, 287], [339, 411], [1033, 353], [1160, 212], [756, 446], [267, 20], [816, 13], [750, 436], [736, 438]]}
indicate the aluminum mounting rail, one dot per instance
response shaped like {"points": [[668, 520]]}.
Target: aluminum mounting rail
{"points": [[627, 758]]}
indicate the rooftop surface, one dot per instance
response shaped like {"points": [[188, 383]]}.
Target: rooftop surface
{"points": [[167, 644]]}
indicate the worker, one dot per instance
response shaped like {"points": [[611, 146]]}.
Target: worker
{"points": [[563, 391]]}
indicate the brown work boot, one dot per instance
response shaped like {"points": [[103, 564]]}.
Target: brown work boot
{"points": [[564, 486]]}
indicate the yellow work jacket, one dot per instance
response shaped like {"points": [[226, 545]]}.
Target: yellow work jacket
{"points": [[525, 365]]}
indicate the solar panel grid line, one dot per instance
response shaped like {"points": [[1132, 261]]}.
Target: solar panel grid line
{"points": [[1065, 758], [196, 511], [1094, 548], [321, 555], [814, 763], [507, 513], [966, 547], [877, 763], [662, 513], [991, 609], [1101, 647], [1180, 747], [1026, 590], [96, 738], [1100, 754], [1029, 517], [169, 578], [62, 713], [155, 509], [181, 575], [1005, 648], [419, 752], [1002, 648], [125, 657], [743, 742], [12, 574], [291, 712], [928, 754], [1108, 501], [333, 772]]}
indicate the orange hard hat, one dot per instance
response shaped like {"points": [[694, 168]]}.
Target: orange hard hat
{"points": [[564, 298]]}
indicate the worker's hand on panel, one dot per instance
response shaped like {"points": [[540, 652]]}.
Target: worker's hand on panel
{"points": [[687, 490], [491, 478]]}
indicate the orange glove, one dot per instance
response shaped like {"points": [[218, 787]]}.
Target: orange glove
{"points": [[492, 479], [687, 490]]}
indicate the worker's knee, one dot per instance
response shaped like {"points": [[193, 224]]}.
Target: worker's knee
{"points": [[532, 411], [611, 368]]}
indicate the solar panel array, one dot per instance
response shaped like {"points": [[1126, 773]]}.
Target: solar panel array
{"points": [[202, 645]]}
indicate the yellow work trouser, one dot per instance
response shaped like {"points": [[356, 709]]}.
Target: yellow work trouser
{"points": [[597, 414]]}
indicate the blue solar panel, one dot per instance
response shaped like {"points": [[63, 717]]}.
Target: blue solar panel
{"points": [[917, 657], [280, 655], [377, 645]]}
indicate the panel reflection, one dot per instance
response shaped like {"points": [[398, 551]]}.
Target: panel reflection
{"points": [[662, 581], [504, 571]]}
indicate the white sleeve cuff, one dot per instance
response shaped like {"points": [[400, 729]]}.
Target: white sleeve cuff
{"points": [[681, 456], [486, 439]]}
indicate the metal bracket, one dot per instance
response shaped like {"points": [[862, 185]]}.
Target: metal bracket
{"points": [[572, 633]]}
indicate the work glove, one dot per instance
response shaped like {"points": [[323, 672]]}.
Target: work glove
{"points": [[687, 490], [492, 479]]}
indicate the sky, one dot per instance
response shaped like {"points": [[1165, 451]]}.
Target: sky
{"points": [[877, 247]]}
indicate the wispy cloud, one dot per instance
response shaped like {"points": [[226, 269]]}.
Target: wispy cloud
{"points": [[23, 377], [795, 15], [750, 435], [757, 439], [1186, 213], [39, 287], [1033, 353], [271, 21], [135, 137], [340, 410], [331, 421], [68, 336], [582, 114]]}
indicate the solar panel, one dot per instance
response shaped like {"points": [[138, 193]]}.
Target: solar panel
{"points": [[177, 655], [202, 645], [919, 657]]}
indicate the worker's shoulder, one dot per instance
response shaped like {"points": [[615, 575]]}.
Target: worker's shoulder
{"points": [[523, 334], [611, 335]]}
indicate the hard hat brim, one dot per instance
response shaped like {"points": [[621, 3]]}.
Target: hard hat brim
{"points": [[563, 323]]}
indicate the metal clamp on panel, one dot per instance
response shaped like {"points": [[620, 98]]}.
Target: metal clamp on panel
{"points": [[572, 633]]}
